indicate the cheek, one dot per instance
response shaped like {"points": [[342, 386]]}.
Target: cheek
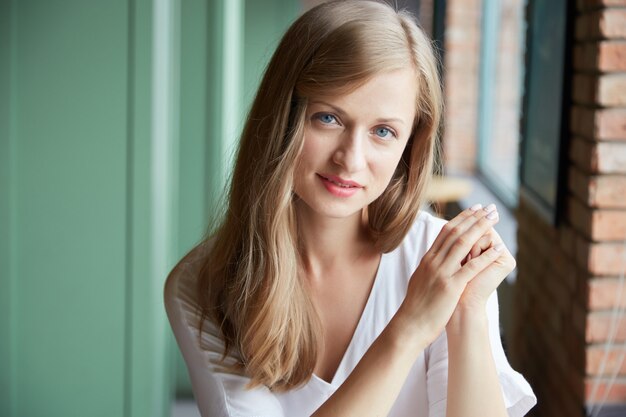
{"points": [[314, 150], [386, 165], [314, 143]]}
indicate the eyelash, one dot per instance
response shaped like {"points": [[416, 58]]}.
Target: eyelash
{"points": [[319, 117]]}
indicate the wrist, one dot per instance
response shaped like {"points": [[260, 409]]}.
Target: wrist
{"points": [[404, 331], [467, 319]]}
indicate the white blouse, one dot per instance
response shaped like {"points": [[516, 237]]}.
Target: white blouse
{"points": [[220, 394]]}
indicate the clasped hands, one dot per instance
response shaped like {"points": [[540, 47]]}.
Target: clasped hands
{"points": [[463, 267]]}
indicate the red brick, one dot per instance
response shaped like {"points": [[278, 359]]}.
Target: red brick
{"points": [[574, 341], [599, 324], [599, 124], [600, 56], [585, 5], [585, 56], [610, 157], [582, 292], [613, 23], [582, 27], [584, 88], [576, 381], [614, 393], [579, 184], [563, 264], [579, 318], [611, 56], [598, 157], [611, 90], [583, 252], [566, 239], [601, 24], [584, 154], [580, 216], [554, 346], [610, 124], [597, 225], [606, 361], [609, 225], [605, 294], [607, 258], [605, 90], [608, 191], [582, 121]]}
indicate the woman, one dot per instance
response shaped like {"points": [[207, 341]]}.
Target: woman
{"points": [[326, 291]]}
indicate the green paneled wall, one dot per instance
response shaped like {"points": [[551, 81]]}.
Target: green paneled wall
{"points": [[69, 178], [86, 331], [116, 123], [265, 23], [7, 200]]}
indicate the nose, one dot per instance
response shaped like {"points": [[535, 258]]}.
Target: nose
{"points": [[350, 154]]}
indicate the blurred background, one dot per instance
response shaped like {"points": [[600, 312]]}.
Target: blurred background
{"points": [[118, 122]]}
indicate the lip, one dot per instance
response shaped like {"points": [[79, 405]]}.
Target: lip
{"points": [[346, 189], [334, 178]]}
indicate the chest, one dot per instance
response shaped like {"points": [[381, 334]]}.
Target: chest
{"points": [[340, 301]]}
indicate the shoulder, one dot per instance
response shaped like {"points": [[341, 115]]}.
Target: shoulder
{"points": [[182, 278], [219, 391]]}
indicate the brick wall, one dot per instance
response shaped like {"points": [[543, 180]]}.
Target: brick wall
{"points": [[568, 277], [462, 56]]}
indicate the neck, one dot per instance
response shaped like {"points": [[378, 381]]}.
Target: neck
{"points": [[327, 242]]}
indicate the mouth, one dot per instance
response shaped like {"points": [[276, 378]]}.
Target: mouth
{"points": [[340, 182]]}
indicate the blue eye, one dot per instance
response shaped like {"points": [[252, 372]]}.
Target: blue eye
{"points": [[326, 118], [383, 132]]}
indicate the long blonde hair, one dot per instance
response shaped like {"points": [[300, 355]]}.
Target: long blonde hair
{"points": [[250, 284]]}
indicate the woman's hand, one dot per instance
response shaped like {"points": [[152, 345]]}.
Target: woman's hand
{"points": [[442, 276], [485, 283]]}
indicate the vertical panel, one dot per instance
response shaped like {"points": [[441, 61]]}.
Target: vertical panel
{"points": [[194, 139], [265, 23], [152, 182], [7, 276], [87, 231], [194, 143], [70, 207]]}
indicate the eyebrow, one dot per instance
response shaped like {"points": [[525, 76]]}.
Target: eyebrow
{"points": [[342, 113]]}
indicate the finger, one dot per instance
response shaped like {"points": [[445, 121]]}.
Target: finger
{"points": [[484, 243], [479, 264], [452, 224], [462, 246], [467, 259], [467, 233], [499, 269]]}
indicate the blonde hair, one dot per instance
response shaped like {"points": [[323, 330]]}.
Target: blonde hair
{"points": [[250, 284]]}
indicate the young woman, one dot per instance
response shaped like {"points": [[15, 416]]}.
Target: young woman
{"points": [[326, 291]]}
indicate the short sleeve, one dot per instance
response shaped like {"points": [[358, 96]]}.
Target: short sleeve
{"points": [[218, 393], [518, 395]]}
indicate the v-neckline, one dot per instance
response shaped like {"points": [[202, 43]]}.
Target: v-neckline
{"points": [[357, 329]]}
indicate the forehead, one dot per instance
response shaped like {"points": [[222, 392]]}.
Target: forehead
{"points": [[387, 94]]}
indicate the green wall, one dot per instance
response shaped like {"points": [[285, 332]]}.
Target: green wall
{"points": [[117, 122], [82, 264]]}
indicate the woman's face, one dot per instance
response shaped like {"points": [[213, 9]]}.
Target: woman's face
{"points": [[353, 143]]}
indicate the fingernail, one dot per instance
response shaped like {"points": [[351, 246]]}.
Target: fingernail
{"points": [[499, 247], [491, 207], [492, 215], [476, 207]]}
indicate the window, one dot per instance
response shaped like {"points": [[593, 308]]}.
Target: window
{"points": [[500, 96]]}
